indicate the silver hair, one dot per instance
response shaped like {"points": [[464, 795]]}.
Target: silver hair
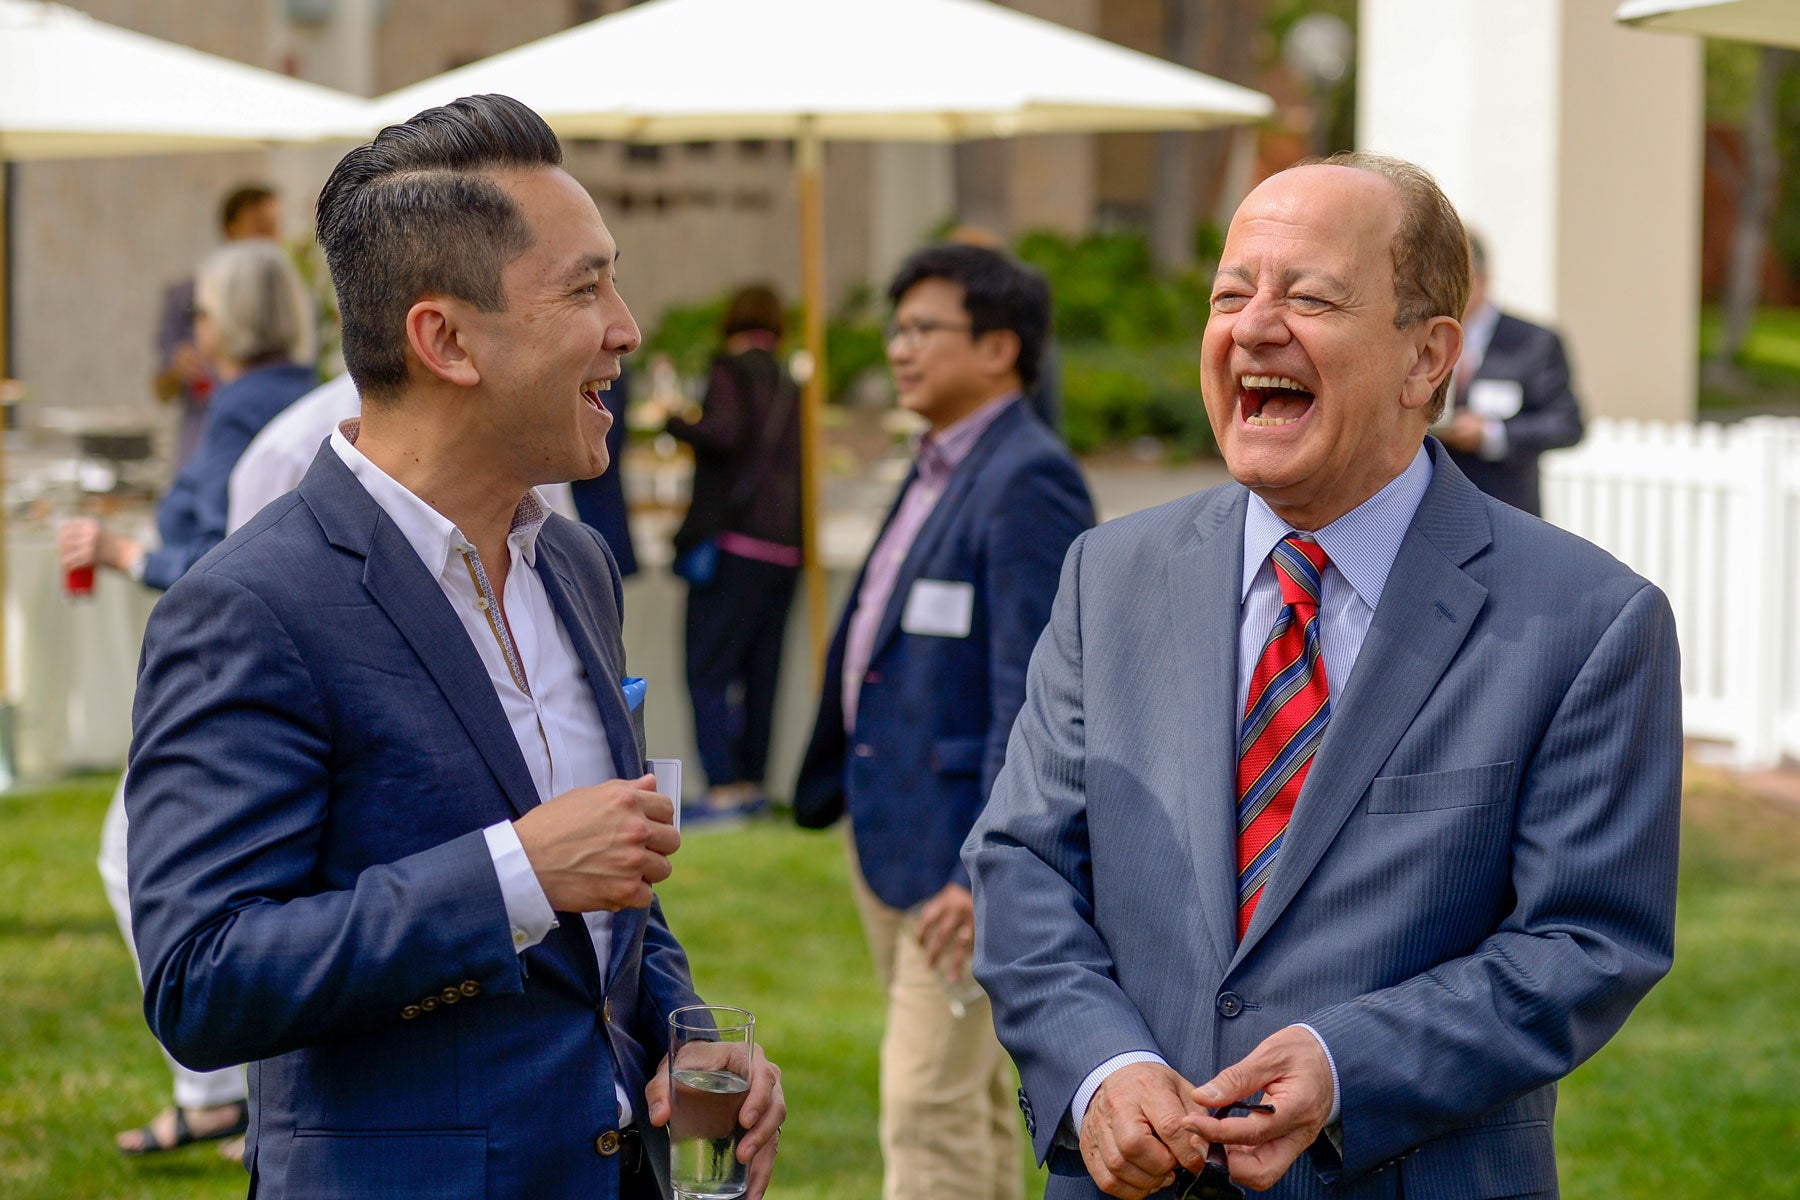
{"points": [[258, 302]]}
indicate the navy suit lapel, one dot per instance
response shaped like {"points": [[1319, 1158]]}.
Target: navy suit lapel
{"points": [[605, 676], [1204, 582], [1425, 613], [557, 571], [410, 596], [943, 516]]}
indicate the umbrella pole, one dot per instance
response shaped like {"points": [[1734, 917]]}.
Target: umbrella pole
{"points": [[7, 715], [809, 166]]}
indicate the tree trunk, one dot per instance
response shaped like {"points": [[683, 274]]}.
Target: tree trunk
{"points": [[1756, 203], [1172, 170], [1217, 37]]}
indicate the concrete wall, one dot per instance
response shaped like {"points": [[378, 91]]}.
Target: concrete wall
{"points": [[1574, 146]]}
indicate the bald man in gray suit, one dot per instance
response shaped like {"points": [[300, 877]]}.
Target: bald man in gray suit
{"points": [[1344, 786]]}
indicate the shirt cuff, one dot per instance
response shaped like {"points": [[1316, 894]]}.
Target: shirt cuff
{"points": [[1493, 440], [527, 909], [1336, 1095], [1084, 1095]]}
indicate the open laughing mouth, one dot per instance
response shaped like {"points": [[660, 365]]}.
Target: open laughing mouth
{"points": [[1272, 400], [590, 392]]}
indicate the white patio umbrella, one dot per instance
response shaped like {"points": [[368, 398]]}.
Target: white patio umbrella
{"points": [[74, 87], [1771, 22], [819, 70]]}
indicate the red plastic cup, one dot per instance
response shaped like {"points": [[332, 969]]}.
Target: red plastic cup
{"points": [[78, 581]]}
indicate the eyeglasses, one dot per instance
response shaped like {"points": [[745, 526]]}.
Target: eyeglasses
{"points": [[912, 333], [1214, 1180]]}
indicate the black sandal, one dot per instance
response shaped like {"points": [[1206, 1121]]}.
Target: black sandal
{"points": [[184, 1134]]}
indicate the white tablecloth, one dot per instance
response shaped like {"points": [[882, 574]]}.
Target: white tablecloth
{"points": [[71, 664]]}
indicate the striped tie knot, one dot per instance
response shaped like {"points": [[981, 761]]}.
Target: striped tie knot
{"points": [[1298, 566]]}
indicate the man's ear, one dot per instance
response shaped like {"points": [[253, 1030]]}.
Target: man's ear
{"points": [[434, 330], [999, 351], [1436, 357]]}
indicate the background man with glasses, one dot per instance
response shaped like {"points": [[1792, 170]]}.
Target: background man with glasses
{"points": [[922, 684]]}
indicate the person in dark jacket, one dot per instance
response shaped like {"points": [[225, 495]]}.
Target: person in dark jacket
{"points": [[739, 549], [1514, 397], [254, 325]]}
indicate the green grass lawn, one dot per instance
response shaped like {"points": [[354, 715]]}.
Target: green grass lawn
{"points": [[1696, 1097]]}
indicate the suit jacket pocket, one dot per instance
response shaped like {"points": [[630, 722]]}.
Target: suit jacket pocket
{"points": [[1466, 787], [430, 1164], [1485, 1162], [958, 756]]}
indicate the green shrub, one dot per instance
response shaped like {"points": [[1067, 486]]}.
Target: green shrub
{"points": [[1106, 290], [1113, 396]]}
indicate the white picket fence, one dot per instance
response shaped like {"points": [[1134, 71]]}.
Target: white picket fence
{"points": [[1711, 514]]}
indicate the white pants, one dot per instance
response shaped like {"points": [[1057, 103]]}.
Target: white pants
{"points": [[193, 1089]]}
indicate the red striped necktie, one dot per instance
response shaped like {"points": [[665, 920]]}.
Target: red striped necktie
{"points": [[1284, 719]]}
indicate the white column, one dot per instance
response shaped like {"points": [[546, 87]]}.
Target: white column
{"points": [[1573, 145]]}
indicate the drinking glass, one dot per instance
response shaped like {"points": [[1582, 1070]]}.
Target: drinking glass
{"points": [[710, 1052]]}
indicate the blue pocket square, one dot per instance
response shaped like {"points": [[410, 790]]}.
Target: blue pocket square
{"points": [[634, 689]]}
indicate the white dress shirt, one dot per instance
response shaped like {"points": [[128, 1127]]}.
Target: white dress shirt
{"points": [[276, 459], [1362, 545], [534, 668]]}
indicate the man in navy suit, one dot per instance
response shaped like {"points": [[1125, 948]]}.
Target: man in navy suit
{"points": [[1447, 878], [392, 839], [922, 684], [1513, 398]]}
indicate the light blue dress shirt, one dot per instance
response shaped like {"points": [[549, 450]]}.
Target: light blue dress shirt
{"points": [[1362, 545]]}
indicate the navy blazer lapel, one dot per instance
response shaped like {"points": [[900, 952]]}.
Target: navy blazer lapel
{"points": [[1426, 611], [943, 515], [1204, 585], [557, 571], [410, 596]]}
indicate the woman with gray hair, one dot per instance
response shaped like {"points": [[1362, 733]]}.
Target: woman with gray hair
{"points": [[253, 322]]}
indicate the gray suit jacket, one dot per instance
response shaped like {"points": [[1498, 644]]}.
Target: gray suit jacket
{"points": [[1477, 886]]}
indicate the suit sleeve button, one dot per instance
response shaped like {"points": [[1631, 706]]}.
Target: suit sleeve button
{"points": [[470, 988], [607, 1143], [450, 995], [429, 1003], [1230, 1004], [410, 1011]]}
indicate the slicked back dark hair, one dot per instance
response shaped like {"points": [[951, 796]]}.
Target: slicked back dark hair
{"points": [[417, 212], [999, 292]]}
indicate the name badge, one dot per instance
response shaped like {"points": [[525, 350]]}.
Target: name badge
{"points": [[1496, 399], [937, 608]]}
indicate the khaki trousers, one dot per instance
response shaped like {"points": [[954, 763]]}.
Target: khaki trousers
{"points": [[949, 1118]]}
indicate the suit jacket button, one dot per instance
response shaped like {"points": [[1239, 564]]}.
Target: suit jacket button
{"points": [[450, 995], [429, 1003], [863, 750], [410, 1011], [470, 988], [607, 1143], [1230, 1004]]}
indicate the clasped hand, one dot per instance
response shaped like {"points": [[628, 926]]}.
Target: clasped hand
{"points": [[601, 848], [1145, 1118]]}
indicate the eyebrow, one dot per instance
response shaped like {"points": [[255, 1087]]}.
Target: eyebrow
{"points": [[590, 264], [1321, 278]]}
